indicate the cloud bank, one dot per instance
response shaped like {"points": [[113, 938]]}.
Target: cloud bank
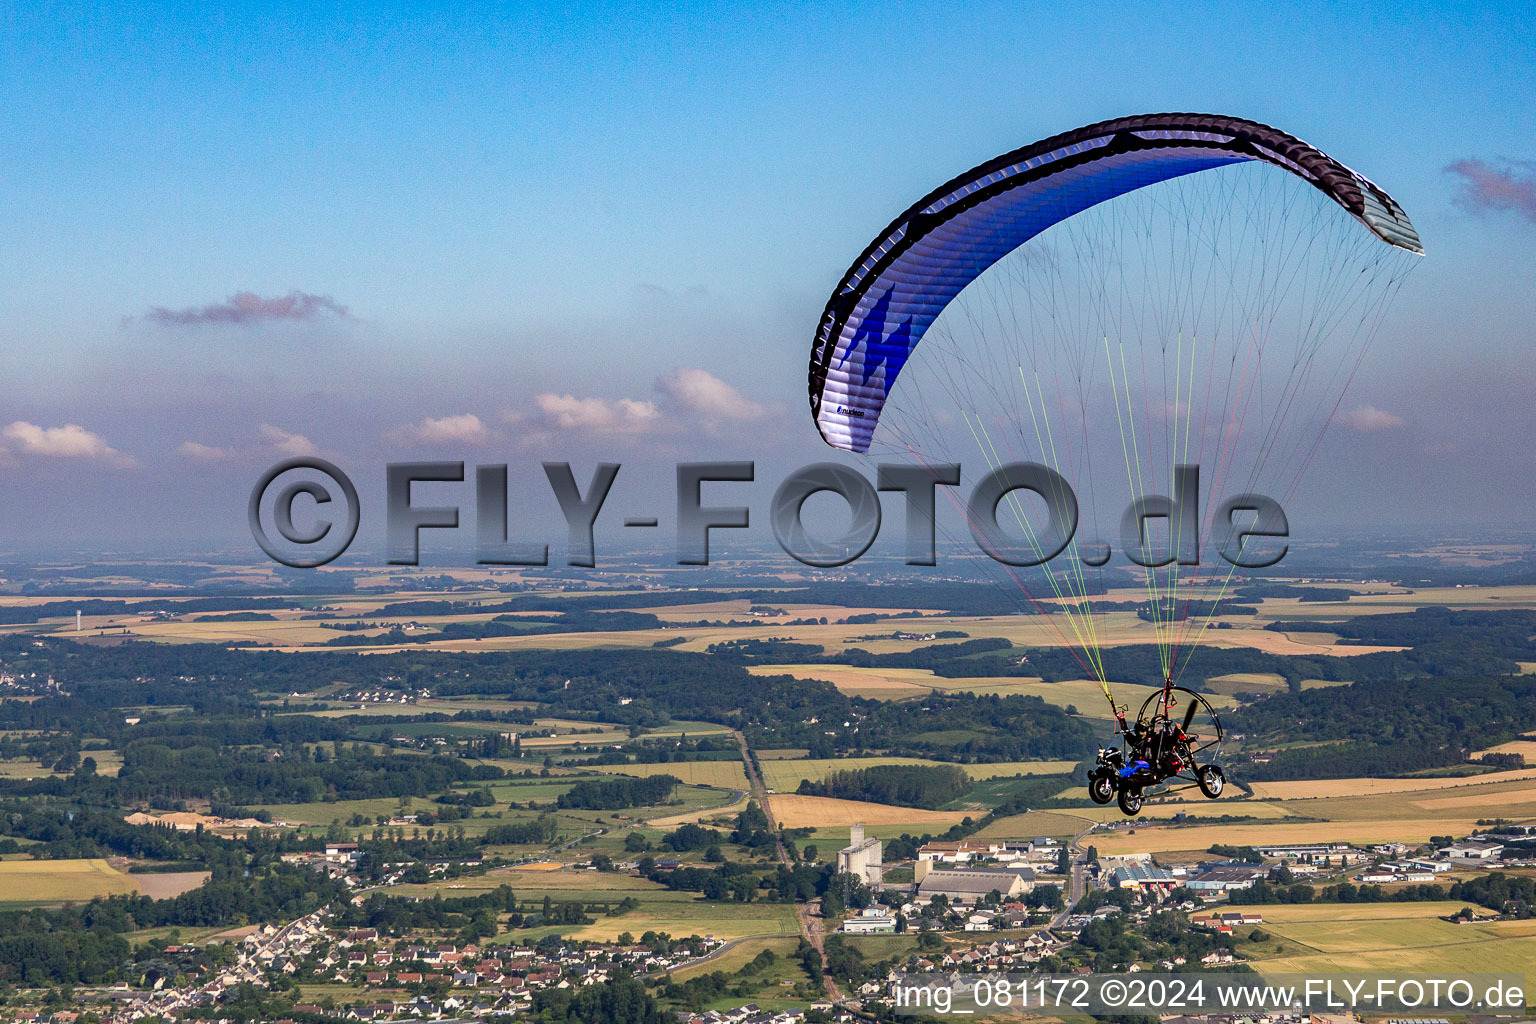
{"points": [[597, 415], [71, 441], [285, 442], [1369, 420], [701, 392], [250, 308], [463, 429], [1485, 187]]}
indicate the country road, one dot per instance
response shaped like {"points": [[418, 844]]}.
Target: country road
{"points": [[1077, 879], [808, 916]]}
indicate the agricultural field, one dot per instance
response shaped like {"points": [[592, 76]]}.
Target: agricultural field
{"points": [[707, 815], [785, 776], [1083, 694], [27, 768], [1197, 807], [739, 955], [341, 810], [1525, 746], [720, 774], [1391, 938], [1112, 629], [1200, 838], [661, 909], [1056, 824], [163, 885], [874, 683], [794, 811], [44, 882], [1313, 789]]}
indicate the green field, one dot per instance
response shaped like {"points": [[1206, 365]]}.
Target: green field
{"points": [[738, 956], [785, 776], [661, 909], [1392, 938], [1061, 825]]}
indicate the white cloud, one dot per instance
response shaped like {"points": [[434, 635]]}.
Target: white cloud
{"points": [[283, 441], [463, 429], [199, 452], [597, 415], [701, 392], [70, 441], [1369, 419]]}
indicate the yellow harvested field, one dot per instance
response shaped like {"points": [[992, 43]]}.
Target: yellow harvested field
{"points": [[742, 609], [1400, 600], [58, 881], [794, 811], [1112, 629], [786, 776], [1515, 800], [874, 683], [1083, 694], [1312, 789], [1511, 803], [1523, 746], [721, 774], [1197, 808]]}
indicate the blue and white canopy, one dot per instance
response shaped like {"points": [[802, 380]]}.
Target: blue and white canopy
{"points": [[928, 255]]}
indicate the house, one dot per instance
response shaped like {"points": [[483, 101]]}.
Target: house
{"points": [[1227, 919], [869, 925]]}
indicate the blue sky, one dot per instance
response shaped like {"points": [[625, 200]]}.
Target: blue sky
{"points": [[581, 202]]}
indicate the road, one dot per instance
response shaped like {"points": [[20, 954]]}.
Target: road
{"points": [[1078, 878], [808, 916]]}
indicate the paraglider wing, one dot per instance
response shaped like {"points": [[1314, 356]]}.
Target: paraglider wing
{"points": [[928, 255]]}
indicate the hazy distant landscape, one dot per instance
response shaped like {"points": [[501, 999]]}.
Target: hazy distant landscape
{"points": [[638, 763]]}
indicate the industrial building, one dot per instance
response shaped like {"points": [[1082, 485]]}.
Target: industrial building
{"points": [[969, 883], [861, 857]]}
